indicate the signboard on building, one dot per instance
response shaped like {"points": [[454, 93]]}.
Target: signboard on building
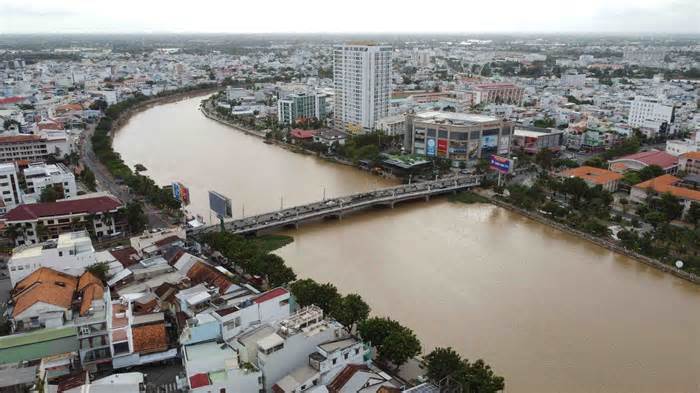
{"points": [[181, 193], [442, 147], [501, 164], [430, 147], [220, 205]]}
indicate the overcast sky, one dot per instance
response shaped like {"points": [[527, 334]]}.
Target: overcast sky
{"points": [[347, 16]]}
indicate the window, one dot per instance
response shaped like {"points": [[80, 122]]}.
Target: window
{"points": [[60, 253], [357, 351], [346, 356], [334, 360]]}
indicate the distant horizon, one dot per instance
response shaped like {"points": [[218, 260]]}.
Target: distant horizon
{"points": [[625, 17]]}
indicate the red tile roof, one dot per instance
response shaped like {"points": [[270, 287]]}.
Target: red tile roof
{"points": [[271, 294], [34, 211], [44, 285], [667, 183], [11, 100], [200, 273], [150, 338], [199, 380], [127, 256], [592, 174], [660, 158], [19, 138], [302, 134], [167, 240]]}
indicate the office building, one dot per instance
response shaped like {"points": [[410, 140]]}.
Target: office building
{"points": [[362, 80], [9, 187], [38, 176], [301, 106]]}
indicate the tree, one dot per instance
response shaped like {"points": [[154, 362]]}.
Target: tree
{"points": [[575, 187], [650, 172], [99, 105], [376, 330], [544, 158], [669, 205], [693, 215], [88, 179], [273, 268], [350, 310], [399, 346], [136, 217], [308, 292], [479, 377], [631, 178], [655, 218], [99, 270], [441, 363], [139, 168], [49, 194]]}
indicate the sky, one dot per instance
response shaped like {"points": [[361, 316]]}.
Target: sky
{"points": [[333, 16]]}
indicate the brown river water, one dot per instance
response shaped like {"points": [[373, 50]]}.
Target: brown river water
{"points": [[550, 312]]}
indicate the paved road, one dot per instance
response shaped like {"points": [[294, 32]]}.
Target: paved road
{"points": [[106, 182]]}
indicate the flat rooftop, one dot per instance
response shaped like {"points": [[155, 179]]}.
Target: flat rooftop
{"points": [[455, 117]]}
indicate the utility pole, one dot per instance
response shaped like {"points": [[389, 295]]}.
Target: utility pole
{"points": [[324, 193], [281, 202]]}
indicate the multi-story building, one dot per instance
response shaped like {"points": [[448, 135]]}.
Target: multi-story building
{"points": [[38, 176], [573, 79], [498, 93], [392, 125], [532, 140], [23, 147], [362, 80], [301, 106], [35, 222], [460, 137], [9, 187], [71, 253], [651, 116], [690, 163]]}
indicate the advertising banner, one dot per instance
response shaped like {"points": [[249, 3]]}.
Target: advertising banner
{"points": [[442, 146], [176, 190], [430, 147], [501, 164], [220, 204]]}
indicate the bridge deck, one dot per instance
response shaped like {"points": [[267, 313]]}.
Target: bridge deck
{"points": [[340, 205]]}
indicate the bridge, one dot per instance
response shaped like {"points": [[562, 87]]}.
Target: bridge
{"points": [[337, 207]]}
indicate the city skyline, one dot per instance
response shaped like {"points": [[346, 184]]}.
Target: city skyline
{"points": [[313, 16]]}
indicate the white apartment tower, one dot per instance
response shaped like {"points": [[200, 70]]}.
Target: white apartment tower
{"points": [[651, 116], [362, 78]]}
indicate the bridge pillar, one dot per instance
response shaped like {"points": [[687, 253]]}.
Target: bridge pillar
{"points": [[392, 204], [427, 197], [296, 225]]}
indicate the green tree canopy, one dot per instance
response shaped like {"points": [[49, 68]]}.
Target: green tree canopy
{"points": [[49, 194], [400, 346], [350, 310], [308, 292], [442, 362]]}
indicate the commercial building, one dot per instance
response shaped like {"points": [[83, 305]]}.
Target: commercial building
{"points": [[35, 222], [38, 176], [593, 176], [362, 84], [498, 93], [651, 116], [460, 137], [533, 140], [301, 106], [70, 254], [643, 159], [216, 367]]}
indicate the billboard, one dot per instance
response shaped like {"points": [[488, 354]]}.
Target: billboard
{"points": [[489, 141], [501, 164], [220, 204], [442, 147], [430, 146], [181, 193]]}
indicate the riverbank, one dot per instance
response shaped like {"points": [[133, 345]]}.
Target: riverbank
{"points": [[287, 146], [98, 155], [604, 243]]}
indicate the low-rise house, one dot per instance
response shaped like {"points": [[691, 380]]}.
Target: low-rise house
{"points": [[593, 176], [153, 242], [299, 135], [329, 137], [643, 159], [35, 222], [362, 379], [71, 253], [132, 382], [215, 367]]}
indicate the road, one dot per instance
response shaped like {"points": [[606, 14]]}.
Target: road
{"points": [[106, 182]]}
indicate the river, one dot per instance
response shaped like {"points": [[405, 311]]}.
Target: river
{"points": [[550, 312]]}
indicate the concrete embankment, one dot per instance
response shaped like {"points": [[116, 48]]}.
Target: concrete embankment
{"points": [[612, 246]]}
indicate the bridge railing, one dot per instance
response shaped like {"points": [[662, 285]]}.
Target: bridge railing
{"points": [[339, 204]]}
